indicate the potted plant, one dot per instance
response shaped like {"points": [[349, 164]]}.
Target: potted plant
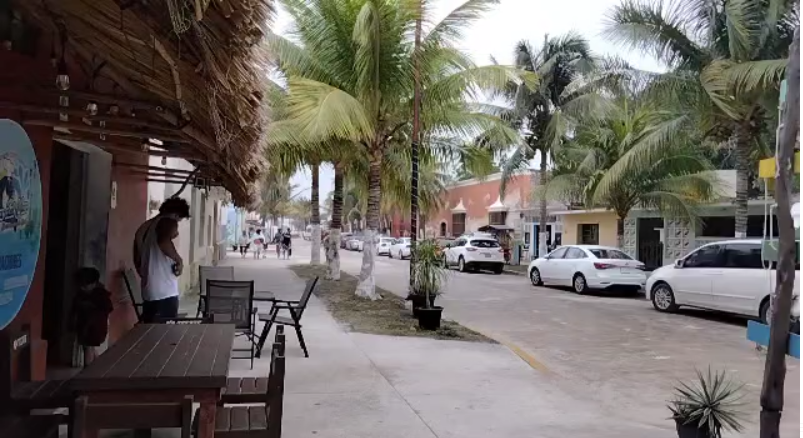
{"points": [[707, 407], [428, 277]]}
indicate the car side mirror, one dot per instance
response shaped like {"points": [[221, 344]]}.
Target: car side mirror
{"points": [[679, 264]]}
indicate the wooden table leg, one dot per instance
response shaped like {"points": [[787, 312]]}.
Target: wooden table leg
{"points": [[206, 420]]}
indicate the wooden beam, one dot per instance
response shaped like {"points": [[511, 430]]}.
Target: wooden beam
{"points": [[97, 130], [82, 113], [143, 167], [127, 148], [177, 181]]}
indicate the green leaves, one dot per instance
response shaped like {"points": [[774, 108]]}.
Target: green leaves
{"points": [[712, 402], [323, 112]]}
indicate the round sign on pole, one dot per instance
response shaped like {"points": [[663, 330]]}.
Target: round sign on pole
{"points": [[20, 218]]}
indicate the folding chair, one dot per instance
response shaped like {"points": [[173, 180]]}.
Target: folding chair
{"points": [[232, 302], [211, 273], [296, 310]]}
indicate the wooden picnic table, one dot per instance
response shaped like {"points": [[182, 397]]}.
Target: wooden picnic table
{"points": [[162, 363]]}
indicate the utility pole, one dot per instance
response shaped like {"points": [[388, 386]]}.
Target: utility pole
{"points": [[415, 145], [772, 390]]}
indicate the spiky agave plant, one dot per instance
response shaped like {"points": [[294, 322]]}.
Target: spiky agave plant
{"points": [[429, 274], [710, 404]]}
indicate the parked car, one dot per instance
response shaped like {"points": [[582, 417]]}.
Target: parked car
{"points": [[587, 267], [383, 245], [354, 243], [729, 276], [344, 238], [472, 253], [400, 249]]}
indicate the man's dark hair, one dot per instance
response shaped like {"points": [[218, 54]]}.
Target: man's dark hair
{"points": [[86, 276], [176, 206]]}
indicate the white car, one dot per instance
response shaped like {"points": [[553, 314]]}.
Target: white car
{"points": [[472, 253], [729, 276], [587, 267], [383, 245], [354, 243], [400, 249]]}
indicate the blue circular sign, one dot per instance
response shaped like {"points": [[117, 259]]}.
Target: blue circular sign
{"points": [[20, 218]]}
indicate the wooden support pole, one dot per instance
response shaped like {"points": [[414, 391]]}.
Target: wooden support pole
{"points": [[116, 132]]}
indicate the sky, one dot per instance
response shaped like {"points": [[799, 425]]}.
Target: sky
{"points": [[497, 33]]}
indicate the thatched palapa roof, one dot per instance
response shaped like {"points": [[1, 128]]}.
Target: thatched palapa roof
{"points": [[187, 71]]}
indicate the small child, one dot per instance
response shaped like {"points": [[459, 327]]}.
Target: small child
{"points": [[91, 308]]}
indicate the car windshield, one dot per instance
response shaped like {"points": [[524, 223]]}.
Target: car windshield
{"points": [[605, 253], [445, 242], [485, 243]]}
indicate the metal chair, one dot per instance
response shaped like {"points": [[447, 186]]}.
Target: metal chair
{"points": [[232, 302], [211, 273], [296, 310], [134, 291]]}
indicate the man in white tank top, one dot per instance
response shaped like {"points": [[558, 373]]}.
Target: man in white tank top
{"points": [[158, 262]]}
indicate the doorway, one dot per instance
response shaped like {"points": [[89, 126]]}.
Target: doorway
{"points": [[537, 236], [443, 229], [79, 201], [650, 248]]}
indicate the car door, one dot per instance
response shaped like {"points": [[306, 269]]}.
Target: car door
{"points": [[745, 281], [550, 266], [568, 265], [694, 285], [452, 253]]}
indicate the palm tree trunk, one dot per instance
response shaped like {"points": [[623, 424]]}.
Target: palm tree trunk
{"points": [[333, 242], [315, 215], [741, 139], [366, 288], [543, 234], [772, 390]]}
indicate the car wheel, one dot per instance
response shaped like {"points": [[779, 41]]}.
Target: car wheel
{"points": [[579, 283], [763, 311], [663, 299], [499, 269], [461, 264], [535, 277]]}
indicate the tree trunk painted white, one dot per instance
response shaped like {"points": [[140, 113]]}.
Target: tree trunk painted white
{"points": [[333, 254], [315, 256], [543, 234], [366, 288]]}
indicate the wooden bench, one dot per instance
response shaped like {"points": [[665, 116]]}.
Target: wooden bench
{"points": [[242, 390], [138, 416], [256, 421], [20, 426], [22, 395]]}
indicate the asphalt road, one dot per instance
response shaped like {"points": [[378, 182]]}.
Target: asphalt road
{"points": [[615, 350]]}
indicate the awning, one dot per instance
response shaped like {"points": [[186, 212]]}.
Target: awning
{"points": [[488, 228]]}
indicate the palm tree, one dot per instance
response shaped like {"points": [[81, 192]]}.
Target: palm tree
{"points": [[349, 68], [730, 53], [629, 152], [558, 62]]}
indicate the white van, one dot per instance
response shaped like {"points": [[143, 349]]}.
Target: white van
{"points": [[728, 276]]}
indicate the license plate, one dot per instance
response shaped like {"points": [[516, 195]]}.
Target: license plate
{"points": [[627, 271], [487, 256]]}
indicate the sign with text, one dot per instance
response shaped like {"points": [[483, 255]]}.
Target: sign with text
{"points": [[20, 218]]}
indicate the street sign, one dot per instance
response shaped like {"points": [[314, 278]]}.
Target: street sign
{"points": [[760, 334]]}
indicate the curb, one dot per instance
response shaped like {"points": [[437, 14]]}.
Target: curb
{"points": [[512, 272]]}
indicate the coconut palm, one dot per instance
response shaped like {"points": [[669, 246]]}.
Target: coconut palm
{"points": [[630, 153], [730, 53], [558, 63], [349, 72]]}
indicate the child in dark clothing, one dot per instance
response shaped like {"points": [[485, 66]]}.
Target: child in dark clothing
{"points": [[91, 309]]}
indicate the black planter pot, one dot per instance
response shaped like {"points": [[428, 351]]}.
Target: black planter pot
{"points": [[690, 430], [420, 301], [429, 318]]}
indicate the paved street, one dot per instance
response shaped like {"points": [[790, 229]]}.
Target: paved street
{"points": [[615, 351]]}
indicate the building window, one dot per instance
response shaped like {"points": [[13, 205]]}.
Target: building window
{"points": [[497, 218], [458, 224], [588, 234]]}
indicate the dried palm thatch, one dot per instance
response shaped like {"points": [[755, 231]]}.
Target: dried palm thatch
{"points": [[200, 62]]}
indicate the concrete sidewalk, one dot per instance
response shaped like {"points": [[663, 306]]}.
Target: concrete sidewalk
{"points": [[357, 385]]}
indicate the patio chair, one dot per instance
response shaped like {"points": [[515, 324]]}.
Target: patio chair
{"points": [[232, 302], [244, 390], [23, 395], [137, 416], [134, 291], [296, 311], [211, 273], [255, 421]]}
